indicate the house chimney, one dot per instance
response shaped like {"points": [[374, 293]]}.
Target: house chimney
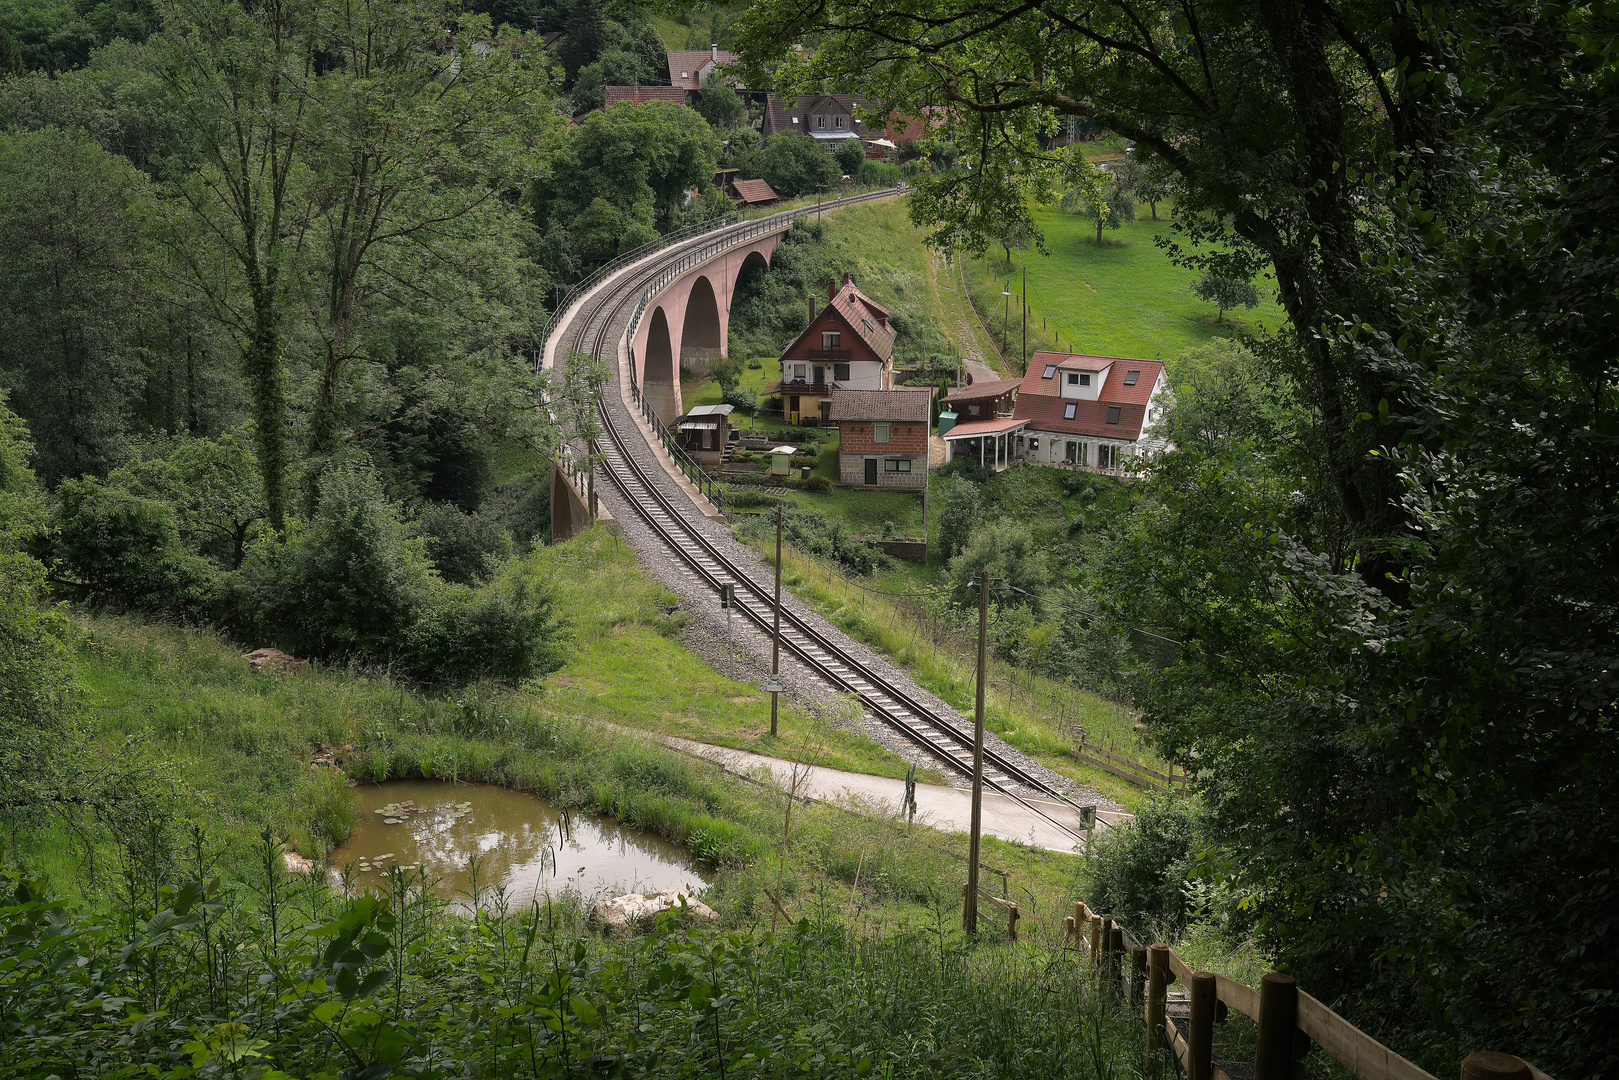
{"points": [[847, 280], [831, 290], [812, 307], [714, 52]]}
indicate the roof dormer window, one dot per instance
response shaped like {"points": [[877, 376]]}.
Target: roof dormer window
{"points": [[1131, 376], [840, 123], [820, 121]]}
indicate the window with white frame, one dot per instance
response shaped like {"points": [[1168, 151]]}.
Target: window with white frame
{"points": [[840, 123], [831, 339], [820, 121], [879, 432], [1073, 378]]}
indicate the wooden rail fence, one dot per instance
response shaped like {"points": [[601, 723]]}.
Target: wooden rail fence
{"points": [[1289, 1019], [1134, 771]]}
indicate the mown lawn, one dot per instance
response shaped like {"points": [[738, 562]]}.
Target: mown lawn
{"points": [[1120, 298]]}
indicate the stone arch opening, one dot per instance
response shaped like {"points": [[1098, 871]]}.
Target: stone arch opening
{"points": [[658, 375], [751, 281], [700, 336]]}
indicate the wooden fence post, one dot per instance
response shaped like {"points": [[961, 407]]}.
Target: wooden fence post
{"points": [[1278, 1019], [1157, 987], [1490, 1065], [1096, 940], [1138, 973], [1011, 922], [1069, 931], [1115, 962], [1200, 1039]]}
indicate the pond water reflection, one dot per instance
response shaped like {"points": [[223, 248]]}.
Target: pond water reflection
{"points": [[522, 842]]}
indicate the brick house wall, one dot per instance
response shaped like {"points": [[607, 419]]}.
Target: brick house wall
{"points": [[907, 441]]}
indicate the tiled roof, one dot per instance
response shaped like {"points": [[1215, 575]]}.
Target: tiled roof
{"points": [[979, 390], [754, 191], [780, 112], [974, 428], [862, 315], [691, 61], [638, 95], [901, 404], [1039, 401], [1114, 390]]}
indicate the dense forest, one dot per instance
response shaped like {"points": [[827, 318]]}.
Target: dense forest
{"points": [[1386, 546], [277, 271]]}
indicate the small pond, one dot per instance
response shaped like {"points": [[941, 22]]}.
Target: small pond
{"points": [[522, 843]]}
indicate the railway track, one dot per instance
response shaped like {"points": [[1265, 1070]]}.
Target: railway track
{"points": [[601, 320]]}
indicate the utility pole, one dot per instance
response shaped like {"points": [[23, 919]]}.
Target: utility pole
{"points": [[775, 643], [1025, 314], [970, 915]]}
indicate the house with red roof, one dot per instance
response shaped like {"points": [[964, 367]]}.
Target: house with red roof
{"points": [[690, 69], [883, 436], [847, 345], [751, 193], [1085, 412], [1090, 412]]}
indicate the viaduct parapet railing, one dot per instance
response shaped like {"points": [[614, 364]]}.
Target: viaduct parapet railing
{"points": [[1289, 1019]]}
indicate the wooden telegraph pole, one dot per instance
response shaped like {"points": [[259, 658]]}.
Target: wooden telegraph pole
{"points": [[775, 642], [970, 913], [1025, 314]]}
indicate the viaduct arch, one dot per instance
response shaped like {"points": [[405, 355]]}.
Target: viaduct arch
{"points": [[688, 324]]}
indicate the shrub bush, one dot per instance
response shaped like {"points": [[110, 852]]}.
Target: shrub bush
{"points": [[467, 549], [350, 583], [818, 484], [125, 550], [1143, 867], [740, 399], [880, 173], [463, 634]]}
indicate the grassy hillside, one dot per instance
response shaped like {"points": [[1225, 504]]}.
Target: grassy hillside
{"points": [[1120, 298], [231, 747]]}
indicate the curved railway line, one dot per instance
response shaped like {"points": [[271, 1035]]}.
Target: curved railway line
{"points": [[600, 322]]}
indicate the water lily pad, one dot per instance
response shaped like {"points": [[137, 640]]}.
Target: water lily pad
{"points": [[380, 810], [393, 821]]}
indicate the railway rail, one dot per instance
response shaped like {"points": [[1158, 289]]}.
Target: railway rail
{"points": [[594, 330]]}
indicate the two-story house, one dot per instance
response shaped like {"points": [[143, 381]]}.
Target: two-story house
{"points": [[883, 436], [1091, 412], [827, 118], [847, 345]]}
